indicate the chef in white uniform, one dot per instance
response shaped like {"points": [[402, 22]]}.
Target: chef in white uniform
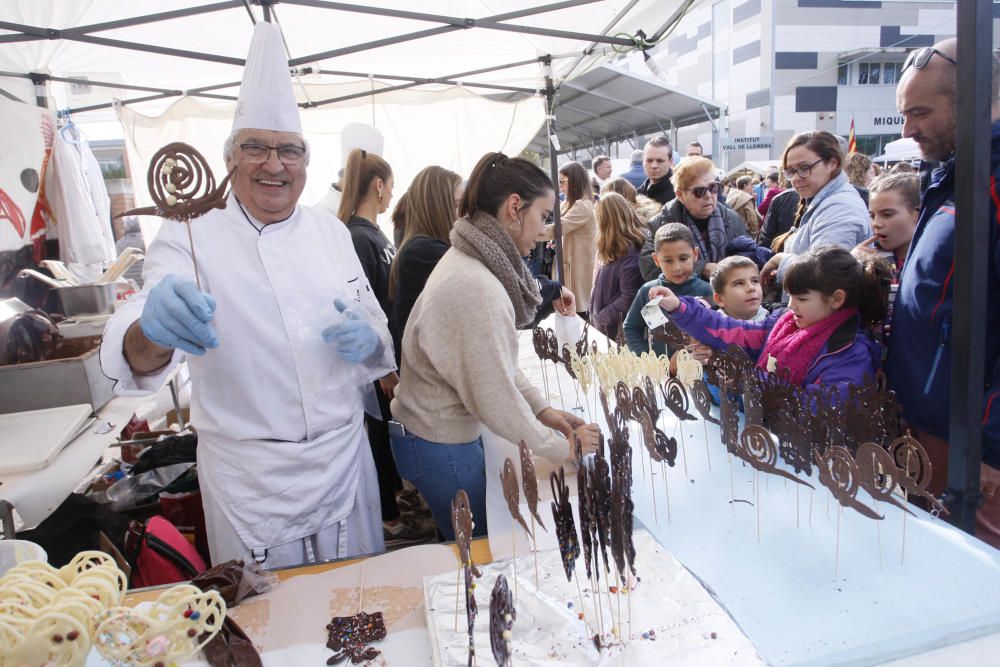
{"points": [[282, 339]]}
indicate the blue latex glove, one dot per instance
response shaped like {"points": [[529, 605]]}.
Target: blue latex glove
{"points": [[177, 315], [355, 339]]}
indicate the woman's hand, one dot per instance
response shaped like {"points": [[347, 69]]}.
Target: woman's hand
{"points": [[565, 303], [564, 422], [589, 436], [669, 301], [700, 352], [388, 384], [767, 274]]}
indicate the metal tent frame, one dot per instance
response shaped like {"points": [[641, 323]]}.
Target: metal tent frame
{"points": [[972, 175], [500, 22]]}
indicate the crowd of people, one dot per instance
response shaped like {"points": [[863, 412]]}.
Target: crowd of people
{"points": [[824, 271]]}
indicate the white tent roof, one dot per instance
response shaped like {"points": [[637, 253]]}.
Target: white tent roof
{"points": [[900, 150], [756, 166], [201, 43], [418, 70]]}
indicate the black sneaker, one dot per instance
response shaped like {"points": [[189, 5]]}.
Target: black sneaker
{"points": [[410, 501], [407, 532]]}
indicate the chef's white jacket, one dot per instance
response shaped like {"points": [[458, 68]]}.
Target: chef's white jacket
{"points": [[279, 415]]}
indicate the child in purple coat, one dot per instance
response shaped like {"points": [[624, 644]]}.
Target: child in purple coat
{"points": [[821, 338]]}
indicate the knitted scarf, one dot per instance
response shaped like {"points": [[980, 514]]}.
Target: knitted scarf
{"points": [[482, 237], [795, 349], [712, 249]]}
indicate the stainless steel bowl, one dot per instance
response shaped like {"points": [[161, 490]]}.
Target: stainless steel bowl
{"points": [[95, 299]]}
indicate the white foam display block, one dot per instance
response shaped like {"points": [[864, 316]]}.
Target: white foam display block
{"points": [[689, 627], [801, 595]]}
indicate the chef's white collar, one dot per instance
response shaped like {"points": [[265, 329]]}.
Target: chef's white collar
{"points": [[257, 225]]}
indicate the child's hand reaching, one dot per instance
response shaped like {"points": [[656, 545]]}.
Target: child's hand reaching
{"points": [[669, 301]]}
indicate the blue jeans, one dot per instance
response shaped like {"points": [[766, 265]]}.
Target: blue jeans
{"points": [[439, 471]]}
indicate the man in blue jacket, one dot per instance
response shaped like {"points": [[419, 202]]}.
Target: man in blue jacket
{"points": [[635, 174], [919, 358]]}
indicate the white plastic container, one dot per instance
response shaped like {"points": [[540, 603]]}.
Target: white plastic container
{"points": [[15, 552]]}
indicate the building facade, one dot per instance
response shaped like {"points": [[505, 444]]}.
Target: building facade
{"points": [[786, 66]]}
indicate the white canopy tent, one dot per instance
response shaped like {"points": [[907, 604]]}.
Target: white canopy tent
{"points": [[900, 150], [416, 69]]}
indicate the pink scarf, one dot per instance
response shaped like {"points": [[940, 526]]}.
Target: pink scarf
{"points": [[795, 349]]}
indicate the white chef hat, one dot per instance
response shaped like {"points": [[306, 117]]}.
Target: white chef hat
{"points": [[359, 135], [266, 99]]}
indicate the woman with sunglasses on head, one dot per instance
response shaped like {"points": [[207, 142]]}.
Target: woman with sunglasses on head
{"points": [[579, 233], [460, 369], [697, 206], [830, 210]]}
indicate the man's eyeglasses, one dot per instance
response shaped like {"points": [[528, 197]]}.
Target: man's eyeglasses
{"points": [[918, 59], [288, 153], [702, 190], [802, 172]]}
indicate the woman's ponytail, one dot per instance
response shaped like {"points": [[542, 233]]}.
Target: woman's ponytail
{"points": [[778, 244], [876, 277]]}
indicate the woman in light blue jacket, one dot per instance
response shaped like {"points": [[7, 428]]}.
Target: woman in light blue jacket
{"points": [[830, 209]]}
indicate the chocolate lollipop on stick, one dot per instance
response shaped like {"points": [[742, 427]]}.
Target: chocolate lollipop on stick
{"points": [[182, 188], [512, 493], [562, 516], [529, 480], [502, 616], [878, 474], [839, 473], [461, 522]]}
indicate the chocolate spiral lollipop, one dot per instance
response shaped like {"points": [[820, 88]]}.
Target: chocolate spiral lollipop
{"points": [[552, 346], [703, 401], [502, 616], [878, 474], [600, 486], [671, 334], [562, 516], [181, 185], [529, 480], [915, 470], [583, 345], [567, 361], [512, 493], [757, 448], [623, 398], [839, 473], [676, 399]]}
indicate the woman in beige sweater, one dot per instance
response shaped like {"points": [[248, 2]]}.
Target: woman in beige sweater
{"points": [[579, 233], [459, 368]]}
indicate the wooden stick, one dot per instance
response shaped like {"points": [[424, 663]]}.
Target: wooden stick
{"points": [[652, 493], [811, 494], [579, 592], [598, 607], [534, 550], [757, 484], [617, 630], [684, 451], [629, 591], [878, 537], [361, 593], [666, 487], [902, 551], [708, 453], [732, 485], [797, 511], [197, 278], [555, 370], [458, 592], [513, 561], [545, 381], [836, 560]]}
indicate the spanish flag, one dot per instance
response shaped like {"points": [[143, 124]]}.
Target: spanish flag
{"points": [[852, 141]]}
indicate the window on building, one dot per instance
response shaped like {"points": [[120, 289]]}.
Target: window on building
{"points": [[870, 73], [889, 73], [873, 73], [874, 144], [862, 74], [842, 74]]}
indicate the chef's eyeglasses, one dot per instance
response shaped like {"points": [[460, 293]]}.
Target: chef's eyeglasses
{"points": [[919, 58], [702, 190], [802, 171], [288, 153]]}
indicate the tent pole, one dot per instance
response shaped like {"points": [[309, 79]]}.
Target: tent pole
{"points": [[550, 131], [968, 352], [41, 89]]}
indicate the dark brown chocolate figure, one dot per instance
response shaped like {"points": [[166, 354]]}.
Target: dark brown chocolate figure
{"points": [[757, 447], [512, 493], [839, 473], [529, 481], [181, 185], [562, 515], [461, 521], [350, 636], [502, 617]]}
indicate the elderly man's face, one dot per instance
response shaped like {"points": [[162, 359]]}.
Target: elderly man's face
{"points": [[926, 99], [603, 170], [268, 186]]}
